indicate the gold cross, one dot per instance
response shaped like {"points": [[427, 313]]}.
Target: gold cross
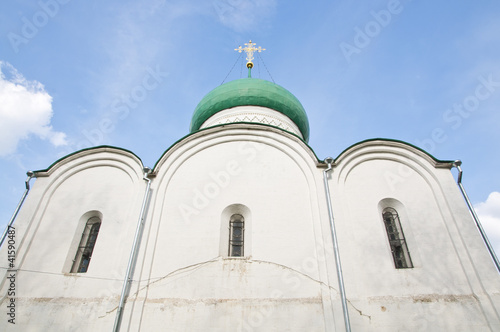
{"points": [[249, 49]]}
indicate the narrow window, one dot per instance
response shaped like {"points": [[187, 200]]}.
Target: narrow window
{"points": [[396, 237], [236, 235], [86, 246]]}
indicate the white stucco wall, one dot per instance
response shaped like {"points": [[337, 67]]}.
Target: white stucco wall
{"points": [[276, 180], [183, 279], [453, 284], [107, 181]]}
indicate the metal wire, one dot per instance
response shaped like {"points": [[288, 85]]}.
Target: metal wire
{"points": [[232, 69], [258, 54]]}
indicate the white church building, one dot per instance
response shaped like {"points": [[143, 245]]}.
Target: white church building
{"points": [[231, 230]]}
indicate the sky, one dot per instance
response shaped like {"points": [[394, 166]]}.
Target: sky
{"points": [[76, 74]]}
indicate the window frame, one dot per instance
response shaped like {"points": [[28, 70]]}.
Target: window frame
{"points": [[86, 246], [236, 222], [397, 241]]}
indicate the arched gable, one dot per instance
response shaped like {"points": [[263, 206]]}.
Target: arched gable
{"points": [[105, 180]]}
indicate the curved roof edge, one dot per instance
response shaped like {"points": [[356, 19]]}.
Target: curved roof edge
{"points": [[90, 150], [259, 126], [444, 163], [201, 132]]}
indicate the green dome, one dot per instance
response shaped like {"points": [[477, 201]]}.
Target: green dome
{"points": [[251, 92]]}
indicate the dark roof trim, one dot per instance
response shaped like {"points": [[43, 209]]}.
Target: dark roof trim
{"points": [[345, 151], [229, 125], [87, 149], [394, 141]]}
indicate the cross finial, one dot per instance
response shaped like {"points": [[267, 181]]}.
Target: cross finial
{"points": [[250, 49]]}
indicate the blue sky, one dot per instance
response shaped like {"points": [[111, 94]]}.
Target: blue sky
{"points": [[130, 73]]}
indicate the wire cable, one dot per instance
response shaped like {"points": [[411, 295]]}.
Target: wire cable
{"points": [[258, 54], [231, 68]]}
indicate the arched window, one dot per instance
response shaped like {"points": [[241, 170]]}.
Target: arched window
{"points": [[235, 231], [236, 235], [86, 246], [396, 237]]}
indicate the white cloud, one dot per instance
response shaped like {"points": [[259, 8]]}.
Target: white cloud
{"points": [[243, 15], [25, 109], [489, 215]]}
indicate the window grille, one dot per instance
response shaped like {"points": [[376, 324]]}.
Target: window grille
{"points": [[400, 252], [86, 246], [236, 235]]}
